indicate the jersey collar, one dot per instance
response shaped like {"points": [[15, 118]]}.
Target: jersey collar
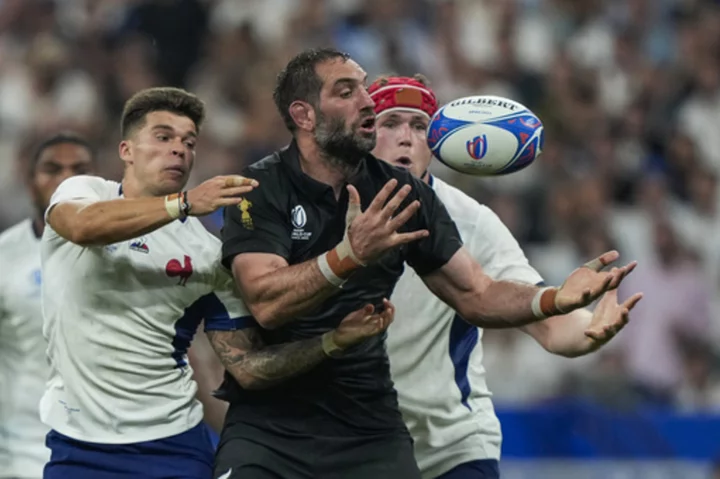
{"points": [[290, 157]]}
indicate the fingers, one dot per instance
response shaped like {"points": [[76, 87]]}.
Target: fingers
{"points": [[237, 180], [603, 260], [630, 303], [353, 196], [403, 238], [236, 191], [379, 201], [404, 215], [395, 202]]}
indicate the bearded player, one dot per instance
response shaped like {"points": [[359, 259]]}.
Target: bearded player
{"points": [[436, 356]]}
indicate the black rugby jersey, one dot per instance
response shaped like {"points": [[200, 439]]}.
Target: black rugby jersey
{"points": [[294, 216]]}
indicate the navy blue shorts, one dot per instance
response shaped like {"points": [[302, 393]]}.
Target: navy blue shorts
{"points": [[185, 456], [481, 469]]}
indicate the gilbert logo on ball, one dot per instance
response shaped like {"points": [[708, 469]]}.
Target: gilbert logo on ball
{"points": [[485, 135]]}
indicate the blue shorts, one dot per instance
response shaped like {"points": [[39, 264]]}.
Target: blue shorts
{"points": [[185, 456], [481, 469]]}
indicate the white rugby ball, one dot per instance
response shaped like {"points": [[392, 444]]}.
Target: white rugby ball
{"points": [[485, 135]]}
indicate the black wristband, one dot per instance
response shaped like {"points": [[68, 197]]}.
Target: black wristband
{"points": [[185, 207]]}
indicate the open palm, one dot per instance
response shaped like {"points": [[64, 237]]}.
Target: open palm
{"points": [[588, 282], [609, 318]]}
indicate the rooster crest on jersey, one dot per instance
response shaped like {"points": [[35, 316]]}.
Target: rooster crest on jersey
{"points": [[183, 271]]}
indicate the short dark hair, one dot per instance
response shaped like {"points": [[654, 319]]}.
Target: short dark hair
{"points": [[174, 100], [59, 139], [299, 81]]}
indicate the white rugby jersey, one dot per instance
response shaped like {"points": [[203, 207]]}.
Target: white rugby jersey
{"points": [[436, 357], [23, 365], [119, 320]]}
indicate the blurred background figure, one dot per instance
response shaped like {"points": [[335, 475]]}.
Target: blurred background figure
{"points": [[628, 90]]}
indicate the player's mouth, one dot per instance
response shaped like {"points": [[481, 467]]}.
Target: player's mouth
{"points": [[403, 162], [177, 171], [368, 124]]}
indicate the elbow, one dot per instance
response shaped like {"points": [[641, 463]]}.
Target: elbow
{"points": [[83, 237], [85, 233], [266, 315], [250, 383]]}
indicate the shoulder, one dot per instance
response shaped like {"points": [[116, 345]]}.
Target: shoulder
{"points": [[92, 181], [87, 186], [266, 166], [458, 203], [16, 234]]}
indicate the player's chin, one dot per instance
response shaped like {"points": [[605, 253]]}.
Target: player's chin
{"points": [[366, 140], [173, 183]]}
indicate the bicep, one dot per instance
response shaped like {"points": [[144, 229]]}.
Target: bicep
{"points": [[248, 268], [458, 280], [62, 217]]}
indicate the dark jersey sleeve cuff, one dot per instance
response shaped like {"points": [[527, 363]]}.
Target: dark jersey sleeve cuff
{"points": [[230, 250], [430, 265]]}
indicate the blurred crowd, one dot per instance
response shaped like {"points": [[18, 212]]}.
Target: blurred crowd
{"points": [[628, 90]]}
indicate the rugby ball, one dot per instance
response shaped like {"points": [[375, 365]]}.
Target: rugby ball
{"points": [[485, 135]]}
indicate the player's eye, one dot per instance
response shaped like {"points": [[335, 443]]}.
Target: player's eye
{"points": [[389, 124], [163, 137], [190, 144], [420, 126]]}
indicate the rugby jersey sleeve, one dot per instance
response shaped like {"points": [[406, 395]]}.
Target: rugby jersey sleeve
{"points": [[257, 224], [79, 188], [498, 252], [224, 309], [432, 252]]}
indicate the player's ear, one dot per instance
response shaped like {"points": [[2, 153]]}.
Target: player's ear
{"points": [[125, 151], [303, 114]]}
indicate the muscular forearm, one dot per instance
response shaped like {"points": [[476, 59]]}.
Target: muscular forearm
{"points": [[266, 366], [108, 222], [501, 304], [286, 292], [564, 335]]}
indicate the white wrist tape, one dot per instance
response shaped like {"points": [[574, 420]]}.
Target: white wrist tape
{"points": [[327, 271], [173, 205], [543, 304]]}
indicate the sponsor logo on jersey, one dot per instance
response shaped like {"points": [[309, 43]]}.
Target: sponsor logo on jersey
{"points": [[140, 246]]}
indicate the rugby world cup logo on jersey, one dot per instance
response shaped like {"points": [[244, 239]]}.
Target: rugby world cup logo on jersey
{"points": [[298, 218], [477, 147]]}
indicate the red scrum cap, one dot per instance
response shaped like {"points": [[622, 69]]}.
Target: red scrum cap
{"points": [[402, 93]]}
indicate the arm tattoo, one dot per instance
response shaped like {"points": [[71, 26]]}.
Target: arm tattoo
{"points": [[256, 366]]}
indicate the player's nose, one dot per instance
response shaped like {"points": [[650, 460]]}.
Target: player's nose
{"points": [[366, 101], [405, 137]]}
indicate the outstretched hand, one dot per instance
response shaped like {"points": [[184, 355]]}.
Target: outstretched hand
{"points": [[588, 282], [609, 318]]}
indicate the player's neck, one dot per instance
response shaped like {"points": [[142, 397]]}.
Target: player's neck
{"points": [[132, 189], [38, 226], [318, 166]]}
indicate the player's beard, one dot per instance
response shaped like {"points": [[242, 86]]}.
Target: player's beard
{"points": [[341, 145]]}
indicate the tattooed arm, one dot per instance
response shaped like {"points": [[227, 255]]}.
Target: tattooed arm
{"points": [[255, 365]]}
